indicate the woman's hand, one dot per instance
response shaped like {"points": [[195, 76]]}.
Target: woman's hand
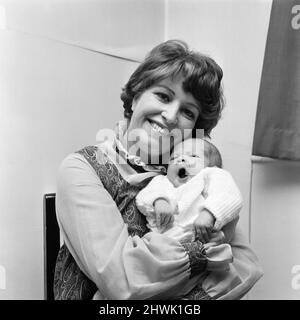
{"points": [[216, 239]]}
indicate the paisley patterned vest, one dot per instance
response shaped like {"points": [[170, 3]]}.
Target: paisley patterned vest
{"points": [[70, 283]]}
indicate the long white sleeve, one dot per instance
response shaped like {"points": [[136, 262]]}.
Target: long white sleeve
{"points": [[158, 187], [223, 198]]}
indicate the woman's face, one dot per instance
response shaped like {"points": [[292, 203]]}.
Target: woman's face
{"points": [[161, 111]]}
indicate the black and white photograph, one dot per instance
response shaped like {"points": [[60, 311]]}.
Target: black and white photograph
{"points": [[150, 150]]}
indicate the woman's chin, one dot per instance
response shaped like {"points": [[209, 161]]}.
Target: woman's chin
{"points": [[150, 144], [157, 150], [154, 155]]}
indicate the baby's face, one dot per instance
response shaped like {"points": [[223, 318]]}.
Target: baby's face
{"points": [[186, 161]]}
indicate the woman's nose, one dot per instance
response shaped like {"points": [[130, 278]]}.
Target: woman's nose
{"points": [[170, 114]]}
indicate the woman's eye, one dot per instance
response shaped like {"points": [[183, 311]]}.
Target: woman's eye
{"points": [[189, 113], [163, 97]]}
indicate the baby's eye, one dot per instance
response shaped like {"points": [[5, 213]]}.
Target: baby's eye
{"points": [[173, 157], [163, 97]]}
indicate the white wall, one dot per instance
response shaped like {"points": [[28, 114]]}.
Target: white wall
{"points": [[234, 33], [124, 28], [54, 97], [275, 222]]}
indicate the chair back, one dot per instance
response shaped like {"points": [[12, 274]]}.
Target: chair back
{"points": [[51, 244]]}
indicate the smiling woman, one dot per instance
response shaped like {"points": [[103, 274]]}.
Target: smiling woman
{"points": [[158, 111], [172, 93], [108, 251], [196, 79]]}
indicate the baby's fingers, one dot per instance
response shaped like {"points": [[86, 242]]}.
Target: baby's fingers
{"points": [[158, 220], [198, 234], [171, 219], [205, 234], [167, 222]]}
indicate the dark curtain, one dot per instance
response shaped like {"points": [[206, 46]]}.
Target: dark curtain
{"points": [[277, 127]]}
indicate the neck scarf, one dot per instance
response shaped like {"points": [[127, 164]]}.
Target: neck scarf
{"points": [[133, 160]]}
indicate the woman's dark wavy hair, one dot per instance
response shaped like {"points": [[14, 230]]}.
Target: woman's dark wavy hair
{"points": [[202, 78]]}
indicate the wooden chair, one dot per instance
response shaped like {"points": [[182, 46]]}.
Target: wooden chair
{"points": [[51, 244]]}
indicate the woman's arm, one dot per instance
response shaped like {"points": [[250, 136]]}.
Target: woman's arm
{"points": [[121, 266], [244, 272]]}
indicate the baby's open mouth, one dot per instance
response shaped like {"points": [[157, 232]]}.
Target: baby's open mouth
{"points": [[182, 173]]}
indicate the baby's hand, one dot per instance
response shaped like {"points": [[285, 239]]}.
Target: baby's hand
{"points": [[204, 225], [164, 214]]}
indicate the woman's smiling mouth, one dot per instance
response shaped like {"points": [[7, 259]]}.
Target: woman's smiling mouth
{"points": [[158, 128]]}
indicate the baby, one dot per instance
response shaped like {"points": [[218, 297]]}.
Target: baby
{"points": [[188, 202]]}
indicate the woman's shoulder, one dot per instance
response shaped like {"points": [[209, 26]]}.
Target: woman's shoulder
{"points": [[97, 152], [84, 169], [86, 160]]}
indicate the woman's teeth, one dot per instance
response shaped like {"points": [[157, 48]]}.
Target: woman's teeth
{"points": [[158, 128]]}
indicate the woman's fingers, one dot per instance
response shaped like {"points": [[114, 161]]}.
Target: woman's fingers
{"points": [[217, 237]]}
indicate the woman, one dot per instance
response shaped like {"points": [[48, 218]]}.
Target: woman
{"points": [[107, 244]]}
